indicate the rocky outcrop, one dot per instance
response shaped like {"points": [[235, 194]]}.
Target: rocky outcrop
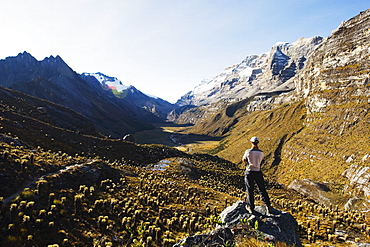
{"points": [[277, 226], [312, 189], [358, 187], [359, 178], [342, 61]]}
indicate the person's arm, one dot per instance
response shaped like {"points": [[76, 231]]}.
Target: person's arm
{"points": [[245, 157]]}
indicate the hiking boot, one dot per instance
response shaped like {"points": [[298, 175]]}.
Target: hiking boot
{"points": [[249, 210], [269, 210]]}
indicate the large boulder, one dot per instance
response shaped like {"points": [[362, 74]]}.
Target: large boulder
{"points": [[275, 226], [278, 226], [313, 189]]}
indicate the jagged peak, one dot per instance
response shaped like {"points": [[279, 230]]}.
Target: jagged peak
{"points": [[301, 42], [305, 41], [27, 57], [23, 56], [264, 71], [51, 59]]}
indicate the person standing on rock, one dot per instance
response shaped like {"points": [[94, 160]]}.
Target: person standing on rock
{"points": [[253, 158]]}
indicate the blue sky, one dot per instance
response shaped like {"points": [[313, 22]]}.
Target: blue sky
{"points": [[162, 47]]}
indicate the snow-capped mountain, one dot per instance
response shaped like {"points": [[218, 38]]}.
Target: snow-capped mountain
{"points": [[130, 94], [113, 113], [266, 72], [108, 82]]}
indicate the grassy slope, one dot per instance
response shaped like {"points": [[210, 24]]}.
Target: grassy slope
{"points": [[296, 147], [125, 191], [274, 128]]}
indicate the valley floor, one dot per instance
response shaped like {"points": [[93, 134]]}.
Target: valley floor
{"points": [[173, 135]]}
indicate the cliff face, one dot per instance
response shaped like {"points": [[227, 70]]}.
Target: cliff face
{"points": [[339, 71], [342, 61], [335, 87]]}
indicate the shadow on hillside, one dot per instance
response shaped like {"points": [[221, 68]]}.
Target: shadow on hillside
{"points": [[169, 134]]}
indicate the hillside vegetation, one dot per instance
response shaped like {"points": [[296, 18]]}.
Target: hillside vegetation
{"points": [[60, 187]]}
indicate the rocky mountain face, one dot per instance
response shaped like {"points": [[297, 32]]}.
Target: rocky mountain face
{"points": [[267, 72], [52, 79], [315, 131], [335, 87]]}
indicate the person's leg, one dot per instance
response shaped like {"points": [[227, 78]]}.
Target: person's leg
{"points": [[249, 184], [262, 189]]}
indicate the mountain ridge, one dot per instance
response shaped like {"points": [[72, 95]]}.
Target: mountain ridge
{"points": [[52, 79], [255, 74], [137, 99]]}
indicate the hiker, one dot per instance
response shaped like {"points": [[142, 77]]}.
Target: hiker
{"points": [[253, 158]]}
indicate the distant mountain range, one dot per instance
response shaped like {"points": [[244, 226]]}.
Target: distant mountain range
{"points": [[266, 72], [156, 106], [115, 109]]}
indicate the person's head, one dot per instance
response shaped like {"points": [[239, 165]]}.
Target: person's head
{"points": [[254, 140]]}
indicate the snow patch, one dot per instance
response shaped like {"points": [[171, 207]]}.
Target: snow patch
{"points": [[111, 82]]}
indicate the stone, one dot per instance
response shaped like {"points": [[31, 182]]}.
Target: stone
{"points": [[232, 215], [129, 138], [356, 204], [217, 237], [313, 189], [366, 158], [359, 182], [276, 226]]}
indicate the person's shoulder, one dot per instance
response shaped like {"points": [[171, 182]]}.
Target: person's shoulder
{"points": [[256, 150]]}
